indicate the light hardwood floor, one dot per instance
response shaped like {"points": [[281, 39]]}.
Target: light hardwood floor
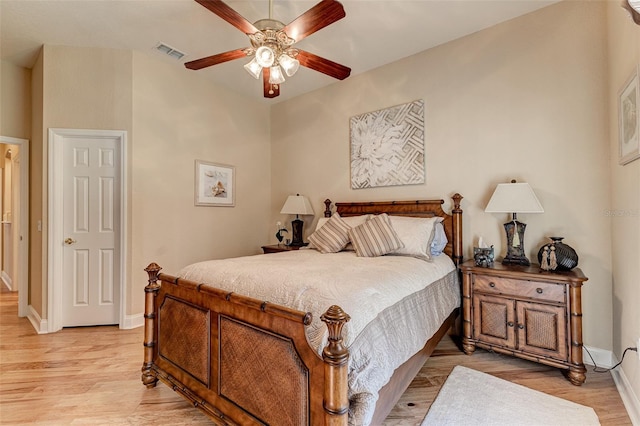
{"points": [[91, 375]]}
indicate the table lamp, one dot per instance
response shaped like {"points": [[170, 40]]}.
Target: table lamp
{"points": [[298, 205], [514, 198]]}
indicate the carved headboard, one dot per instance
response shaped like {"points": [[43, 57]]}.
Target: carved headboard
{"points": [[416, 208]]}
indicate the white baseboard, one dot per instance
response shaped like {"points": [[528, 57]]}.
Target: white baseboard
{"points": [[41, 326], [6, 279], [132, 321], [629, 398], [601, 357]]}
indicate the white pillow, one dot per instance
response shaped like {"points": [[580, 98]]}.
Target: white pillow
{"points": [[439, 240], [416, 233], [375, 237], [332, 236]]}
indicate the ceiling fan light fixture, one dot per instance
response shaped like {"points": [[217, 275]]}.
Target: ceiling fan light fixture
{"points": [[265, 56], [275, 75], [272, 41], [289, 64], [253, 68]]}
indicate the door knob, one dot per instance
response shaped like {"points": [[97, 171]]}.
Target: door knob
{"points": [[69, 241]]}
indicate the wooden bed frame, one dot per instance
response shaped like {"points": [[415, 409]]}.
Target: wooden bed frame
{"points": [[247, 361]]}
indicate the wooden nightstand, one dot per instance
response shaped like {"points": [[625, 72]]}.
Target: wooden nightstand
{"points": [[277, 248], [526, 312]]}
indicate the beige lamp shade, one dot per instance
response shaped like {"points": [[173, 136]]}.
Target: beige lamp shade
{"points": [[514, 198], [297, 204]]}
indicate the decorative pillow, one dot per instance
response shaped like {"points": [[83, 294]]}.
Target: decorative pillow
{"points": [[416, 233], [352, 221], [439, 240], [375, 237], [332, 236]]}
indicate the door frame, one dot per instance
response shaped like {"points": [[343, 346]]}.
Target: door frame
{"points": [[55, 216], [23, 255]]}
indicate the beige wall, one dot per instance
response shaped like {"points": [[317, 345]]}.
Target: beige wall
{"points": [[15, 121], [15, 101], [526, 99], [624, 57], [172, 117], [180, 117]]}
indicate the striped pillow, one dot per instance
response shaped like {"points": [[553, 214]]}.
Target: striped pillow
{"points": [[332, 237], [375, 237]]}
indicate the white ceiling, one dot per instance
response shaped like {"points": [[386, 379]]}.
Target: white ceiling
{"points": [[374, 32]]}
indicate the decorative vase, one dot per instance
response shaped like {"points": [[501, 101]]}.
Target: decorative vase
{"points": [[557, 255]]}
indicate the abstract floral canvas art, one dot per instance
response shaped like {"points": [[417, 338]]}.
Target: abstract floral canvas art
{"points": [[387, 147], [629, 117]]}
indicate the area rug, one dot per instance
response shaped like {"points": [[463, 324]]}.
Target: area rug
{"points": [[470, 397]]}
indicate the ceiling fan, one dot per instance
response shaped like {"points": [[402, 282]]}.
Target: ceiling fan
{"points": [[272, 41]]}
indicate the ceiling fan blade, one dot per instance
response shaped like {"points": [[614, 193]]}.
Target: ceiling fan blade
{"points": [[319, 16], [270, 90], [215, 59], [323, 65], [228, 14]]}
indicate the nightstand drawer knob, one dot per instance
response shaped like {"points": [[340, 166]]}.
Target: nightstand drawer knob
{"points": [[492, 284], [539, 290], [510, 323], [521, 326]]}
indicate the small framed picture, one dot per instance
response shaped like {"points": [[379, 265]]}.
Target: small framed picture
{"points": [[215, 184], [629, 119]]}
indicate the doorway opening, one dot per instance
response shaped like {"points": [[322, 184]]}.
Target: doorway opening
{"points": [[14, 215]]}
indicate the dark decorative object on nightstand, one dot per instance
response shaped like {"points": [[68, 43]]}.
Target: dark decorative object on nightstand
{"points": [[557, 255], [483, 256]]}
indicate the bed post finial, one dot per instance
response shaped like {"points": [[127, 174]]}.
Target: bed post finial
{"points": [[327, 208], [336, 357], [149, 378], [457, 229], [153, 270]]}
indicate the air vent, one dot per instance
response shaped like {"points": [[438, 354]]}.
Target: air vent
{"points": [[170, 51]]}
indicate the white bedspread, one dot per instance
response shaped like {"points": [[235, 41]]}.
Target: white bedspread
{"points": [[394, 291]]}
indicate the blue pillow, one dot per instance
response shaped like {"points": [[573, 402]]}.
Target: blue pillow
{"points": [[439, 240]]}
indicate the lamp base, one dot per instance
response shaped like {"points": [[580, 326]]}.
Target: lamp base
{"points": [[296, 226], [515, 253], [516, 260]]}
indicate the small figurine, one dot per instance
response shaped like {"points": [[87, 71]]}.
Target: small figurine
{"points": [[281, 230]]}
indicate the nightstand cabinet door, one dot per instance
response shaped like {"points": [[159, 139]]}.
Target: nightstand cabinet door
{"points": [[494, 320], [542, 330]]}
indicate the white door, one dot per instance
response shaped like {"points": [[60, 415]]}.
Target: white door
{"points": [[91, 231]]}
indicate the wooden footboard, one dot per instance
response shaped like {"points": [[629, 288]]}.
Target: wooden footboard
{"points": [[241, 360]]}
